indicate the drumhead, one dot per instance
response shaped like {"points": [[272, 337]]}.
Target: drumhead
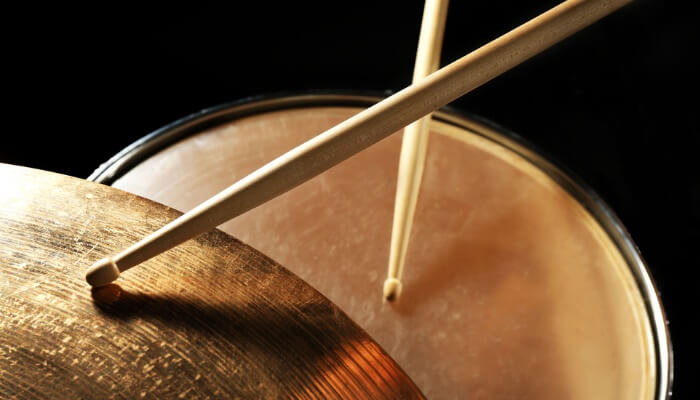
{"points": [[490, 139]]}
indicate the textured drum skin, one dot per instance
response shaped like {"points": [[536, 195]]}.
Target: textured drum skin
{"points": [[210, 319], [512, 289]]}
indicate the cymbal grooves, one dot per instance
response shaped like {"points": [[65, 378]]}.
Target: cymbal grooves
{"points": [[213, 318]]}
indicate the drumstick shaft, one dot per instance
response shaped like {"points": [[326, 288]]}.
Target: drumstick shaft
{"points": [[413, 148], [362, 130]]}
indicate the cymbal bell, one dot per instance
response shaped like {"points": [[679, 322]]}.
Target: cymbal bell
{"points": [[213, 318]]}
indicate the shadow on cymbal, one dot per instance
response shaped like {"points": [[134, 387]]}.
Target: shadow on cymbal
{"points": [[288, 325], [310, 346]]}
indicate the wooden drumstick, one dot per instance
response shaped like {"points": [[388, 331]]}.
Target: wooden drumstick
{"points": [[413, 147], [362, 130]]}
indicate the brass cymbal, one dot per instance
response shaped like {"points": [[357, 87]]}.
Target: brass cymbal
{"points": [[212, 318]]}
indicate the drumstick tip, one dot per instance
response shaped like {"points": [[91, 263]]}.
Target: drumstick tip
{"points": [[392, 289], [102, 272]]}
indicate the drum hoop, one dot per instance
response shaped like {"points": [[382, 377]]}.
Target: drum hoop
{"points": [[169, 134]]}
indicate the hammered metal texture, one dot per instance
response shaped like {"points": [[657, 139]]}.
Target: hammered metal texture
{"points": [[212, 318]]}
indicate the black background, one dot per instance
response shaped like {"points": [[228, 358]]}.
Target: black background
{"points": [[615, 103]]}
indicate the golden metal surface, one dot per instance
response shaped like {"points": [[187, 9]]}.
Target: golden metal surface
{"points": [[212, 318]]}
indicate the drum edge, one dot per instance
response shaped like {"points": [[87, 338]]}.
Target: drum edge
{"points": [[143, 148]]}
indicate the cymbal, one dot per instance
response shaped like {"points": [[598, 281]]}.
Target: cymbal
{"points": [[212, 318]]}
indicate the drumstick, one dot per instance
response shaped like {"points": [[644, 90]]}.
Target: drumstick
{"points": [[413, 147], [362, 130]]}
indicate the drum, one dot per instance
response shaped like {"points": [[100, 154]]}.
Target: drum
{"points": [[212, 319], [520, 282]]}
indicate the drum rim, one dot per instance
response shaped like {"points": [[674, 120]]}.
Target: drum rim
{"points": [[159, 139]]}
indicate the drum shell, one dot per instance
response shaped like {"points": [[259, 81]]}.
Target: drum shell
{"points": [[184, 163]]}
